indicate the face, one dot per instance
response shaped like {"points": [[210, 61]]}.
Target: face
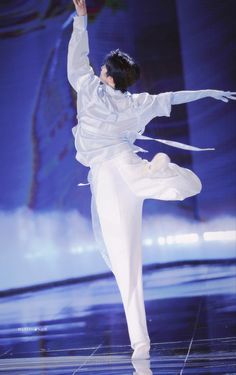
{"points": [[104, 78]]}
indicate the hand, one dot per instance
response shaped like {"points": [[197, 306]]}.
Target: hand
{"points": [[223, 95], [80, 6]]}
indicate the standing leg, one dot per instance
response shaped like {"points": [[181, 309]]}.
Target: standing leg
{"points": [[120, 215]]}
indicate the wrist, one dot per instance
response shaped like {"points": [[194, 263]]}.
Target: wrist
{"points": [[81, 13]]}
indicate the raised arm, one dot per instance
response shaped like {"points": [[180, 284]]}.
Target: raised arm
{"points": [[179, 97], [78, 65]]}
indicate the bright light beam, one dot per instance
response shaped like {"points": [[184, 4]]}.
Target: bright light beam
{"points": [[227, 235]]}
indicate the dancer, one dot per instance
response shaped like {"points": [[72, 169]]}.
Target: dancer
{"points": [[110, 119]]}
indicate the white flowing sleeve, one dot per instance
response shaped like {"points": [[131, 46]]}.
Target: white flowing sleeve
{"points": [[149, 106], [78, 66], [180, 97]]}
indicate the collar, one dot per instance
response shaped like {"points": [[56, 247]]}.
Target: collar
{"points": [[112, 92]]}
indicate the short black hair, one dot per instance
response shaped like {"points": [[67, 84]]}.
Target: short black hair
{"points": [[122, 68]]}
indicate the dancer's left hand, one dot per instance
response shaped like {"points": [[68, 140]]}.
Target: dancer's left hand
{"points": [[223, 95], [80, 6]]}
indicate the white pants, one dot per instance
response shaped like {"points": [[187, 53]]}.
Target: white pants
{"points": [[120, 186]]}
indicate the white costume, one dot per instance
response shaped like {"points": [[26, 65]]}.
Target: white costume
{"points": [[109, 121]]}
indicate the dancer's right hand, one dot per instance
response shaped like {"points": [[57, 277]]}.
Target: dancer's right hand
{"points": [[223, 95], [80, 6]]}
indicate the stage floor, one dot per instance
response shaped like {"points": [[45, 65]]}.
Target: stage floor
{"points": [[81, 328]]}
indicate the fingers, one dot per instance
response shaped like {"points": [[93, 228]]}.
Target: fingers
{"points": [[229, 92], [80, 3], [230, 95], [76, 2]]}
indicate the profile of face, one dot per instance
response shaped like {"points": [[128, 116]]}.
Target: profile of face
{"points": [[105, 78]]}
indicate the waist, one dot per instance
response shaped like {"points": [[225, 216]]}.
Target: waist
{"points": [[116, 155]]}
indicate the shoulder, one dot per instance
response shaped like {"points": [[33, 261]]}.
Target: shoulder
{"points": [[140, 99], [88, 83]]}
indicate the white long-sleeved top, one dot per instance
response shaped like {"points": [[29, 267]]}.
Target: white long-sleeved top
{"points": [[109, 121]]}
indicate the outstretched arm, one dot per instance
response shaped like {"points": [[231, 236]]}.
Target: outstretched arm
{"points": [[149, 106], [78, 64], [179, 97]]}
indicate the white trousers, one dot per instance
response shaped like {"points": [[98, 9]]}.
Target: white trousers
{"points": [[120, 186]]}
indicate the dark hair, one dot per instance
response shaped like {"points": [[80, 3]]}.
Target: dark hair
{"points": [[122, 68]]}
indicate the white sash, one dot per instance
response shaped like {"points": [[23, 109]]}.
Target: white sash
{"points": [[175, 144], [132, 136]]}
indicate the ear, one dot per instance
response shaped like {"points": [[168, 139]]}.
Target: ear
{"points": [[110, 81]]}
